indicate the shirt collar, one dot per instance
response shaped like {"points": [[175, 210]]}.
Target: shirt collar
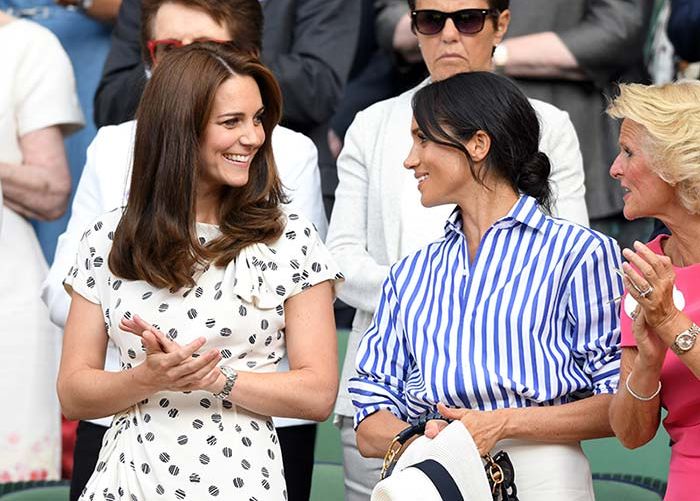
{"points": [[525, 211]]}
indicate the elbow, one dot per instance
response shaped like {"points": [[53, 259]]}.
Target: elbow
{"points": [[68, 409], [323, 403], [633, 442], [630, 435]]}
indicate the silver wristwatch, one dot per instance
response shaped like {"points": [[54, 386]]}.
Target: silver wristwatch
{"points": [[685, 341], [231, 376]]}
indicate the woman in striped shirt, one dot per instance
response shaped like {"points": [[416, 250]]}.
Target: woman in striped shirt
{"points": [[509, 323]]}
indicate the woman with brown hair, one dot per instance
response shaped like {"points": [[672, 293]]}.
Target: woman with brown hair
{"points": [[203, 253]]}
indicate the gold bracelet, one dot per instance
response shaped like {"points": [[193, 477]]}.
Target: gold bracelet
{"points": [[639, 397]]}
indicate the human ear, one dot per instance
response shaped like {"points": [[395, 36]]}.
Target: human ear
{"points": [[502, 26], [479, 146]]}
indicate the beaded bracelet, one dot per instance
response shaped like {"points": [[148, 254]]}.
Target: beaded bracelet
{"points": [[639, 397]]}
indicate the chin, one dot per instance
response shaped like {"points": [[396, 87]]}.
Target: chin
{"points": [[447, 70], [631, 213], [427, 202]]}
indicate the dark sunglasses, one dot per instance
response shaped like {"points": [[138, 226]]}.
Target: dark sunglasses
{"points": [[159, 48], [467, 21]]}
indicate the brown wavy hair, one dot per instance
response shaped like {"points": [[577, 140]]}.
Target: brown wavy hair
{"points": [[156, 239]]}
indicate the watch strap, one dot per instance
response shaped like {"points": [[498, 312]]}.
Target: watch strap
{"points": [[231, 376], [679, 346]]}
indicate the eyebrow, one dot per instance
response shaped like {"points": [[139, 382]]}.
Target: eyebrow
{"points": [[235, 114]]}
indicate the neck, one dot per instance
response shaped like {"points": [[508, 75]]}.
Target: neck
{"points": [[207, 207], [682, 246], [482, 208]]}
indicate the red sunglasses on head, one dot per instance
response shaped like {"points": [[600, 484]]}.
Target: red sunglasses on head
{"points": [[159, 48]]}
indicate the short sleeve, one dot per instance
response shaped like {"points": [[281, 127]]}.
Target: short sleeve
{"points": [[383, 362], [83, 276], [46, 92], [595, 316], [316, 264]]}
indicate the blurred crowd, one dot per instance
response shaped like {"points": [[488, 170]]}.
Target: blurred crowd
{"points": [[75, 74]]}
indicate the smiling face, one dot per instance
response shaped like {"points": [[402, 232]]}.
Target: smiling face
{"points": [[646, 194], [233, 135], [450, 52], [442, 172]]}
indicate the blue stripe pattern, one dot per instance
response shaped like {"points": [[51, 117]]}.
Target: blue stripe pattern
{"points": [[530, 321]]}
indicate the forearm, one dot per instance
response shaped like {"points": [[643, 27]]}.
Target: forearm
{"points": [[35, 191], [93, 393], [541, 55], [375, 433], [635, 421], [572, 422], [298, 393]]}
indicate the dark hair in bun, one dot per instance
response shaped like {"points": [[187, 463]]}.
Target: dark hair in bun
{"points": [[451, 111]]}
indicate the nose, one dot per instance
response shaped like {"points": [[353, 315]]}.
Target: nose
{"points": [[449, 32], [412, 161], [616, 167], [253, 135]]}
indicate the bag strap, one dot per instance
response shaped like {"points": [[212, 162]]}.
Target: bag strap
{"points": [[441, 479], [402, 437]]}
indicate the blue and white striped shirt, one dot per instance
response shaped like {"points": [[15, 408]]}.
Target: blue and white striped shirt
{"points": [[529, 322]]}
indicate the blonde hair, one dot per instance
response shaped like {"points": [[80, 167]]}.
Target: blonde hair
{"points": [[670, 114]]}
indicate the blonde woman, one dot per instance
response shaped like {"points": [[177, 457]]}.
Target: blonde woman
{"points": [[659, 169]]}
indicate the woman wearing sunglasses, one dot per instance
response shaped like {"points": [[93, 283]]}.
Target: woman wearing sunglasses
{"points": [[203, 282], [508, 323], [378, 219]]}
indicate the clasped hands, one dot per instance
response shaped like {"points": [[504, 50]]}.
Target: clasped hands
{"points": [[649, 278], [171, 366]]}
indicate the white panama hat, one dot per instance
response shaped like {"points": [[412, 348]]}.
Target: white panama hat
{"points": [[449, 464]]}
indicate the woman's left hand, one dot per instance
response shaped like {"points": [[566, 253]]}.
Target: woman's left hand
{"points": [[652, 285], [485, 427]]}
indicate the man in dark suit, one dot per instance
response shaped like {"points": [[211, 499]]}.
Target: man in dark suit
{"points": [[308, 44]]}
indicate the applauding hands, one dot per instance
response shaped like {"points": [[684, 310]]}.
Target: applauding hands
{"points": [[171, 366]]}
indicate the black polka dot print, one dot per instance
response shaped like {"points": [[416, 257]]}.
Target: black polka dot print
{"points": [[189, 445]]}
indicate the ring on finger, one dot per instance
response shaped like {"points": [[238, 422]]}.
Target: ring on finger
{"points": [[646, 291]]}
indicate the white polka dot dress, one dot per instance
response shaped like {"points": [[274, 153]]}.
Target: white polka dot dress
{"points": [[192, 446]]}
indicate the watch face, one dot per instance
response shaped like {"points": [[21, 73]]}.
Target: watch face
{"points": [[685, 341]]}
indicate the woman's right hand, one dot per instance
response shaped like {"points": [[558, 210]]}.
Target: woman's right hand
{"points": [[651, 350], [171, 366]]}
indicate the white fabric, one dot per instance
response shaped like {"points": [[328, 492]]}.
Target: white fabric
{"points": [[104, 186], [364, 233], [190, 445], [543, 472], [455, 450], [37, 90], [549, 472]]}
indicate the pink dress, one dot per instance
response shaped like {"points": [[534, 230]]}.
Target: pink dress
{"points": [[680, 393]]}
